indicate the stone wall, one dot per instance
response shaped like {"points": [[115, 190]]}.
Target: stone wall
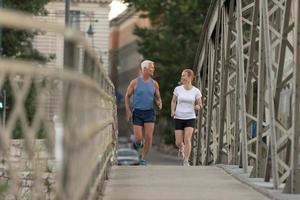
{"points": [[23, 167]]}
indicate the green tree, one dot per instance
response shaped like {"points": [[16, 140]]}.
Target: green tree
{"points": [[18, 44], [171, 42]]}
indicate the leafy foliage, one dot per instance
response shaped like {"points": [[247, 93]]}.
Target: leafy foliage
{"points": [[171, 41], [18, 44], [3, 187]]}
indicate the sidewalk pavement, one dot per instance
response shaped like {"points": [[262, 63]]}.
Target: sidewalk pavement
{"points": [[160, 182], [266, 188]]}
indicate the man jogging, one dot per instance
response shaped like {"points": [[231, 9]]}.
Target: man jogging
{"points": [[144, 91]]}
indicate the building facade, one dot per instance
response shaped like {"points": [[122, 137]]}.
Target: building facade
{"points": [[90, 17], [87, 16]]}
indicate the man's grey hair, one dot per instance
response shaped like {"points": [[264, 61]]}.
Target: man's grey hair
{"points": [[145, 64]]}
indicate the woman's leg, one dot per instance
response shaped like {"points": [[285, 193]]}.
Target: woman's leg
{"points": [[188, 132], [179, 136], [179, 141]]}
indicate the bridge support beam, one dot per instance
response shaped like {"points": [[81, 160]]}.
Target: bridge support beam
{"points": [[247, 70]]}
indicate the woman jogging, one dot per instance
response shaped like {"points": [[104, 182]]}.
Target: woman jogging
{"points": [[186, 99]]}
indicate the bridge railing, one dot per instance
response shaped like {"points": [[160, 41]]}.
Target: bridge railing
{"points": [[248, 70], [66, 117]]}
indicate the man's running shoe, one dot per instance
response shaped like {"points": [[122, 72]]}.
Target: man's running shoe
{"points": [[143, 162], [138, 147]]}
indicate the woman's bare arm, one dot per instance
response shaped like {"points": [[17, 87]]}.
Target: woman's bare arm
{"points": [[173, 105]]}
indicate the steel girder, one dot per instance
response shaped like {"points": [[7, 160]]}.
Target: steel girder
{"points": [[247, 70]]}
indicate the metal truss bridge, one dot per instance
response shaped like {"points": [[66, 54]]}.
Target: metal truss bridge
{"points": [[248, 69]]}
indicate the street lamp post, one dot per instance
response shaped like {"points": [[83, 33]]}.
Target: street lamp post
{"points": [[90, 31], [4, 109], [4, 92], [68, 50], [1, 5], [67, 12]]}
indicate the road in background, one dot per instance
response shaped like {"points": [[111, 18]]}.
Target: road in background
{"points": [[157, 158]]}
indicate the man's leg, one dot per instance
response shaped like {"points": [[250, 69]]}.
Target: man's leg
{"points": [[138, 133], [149, 128]]}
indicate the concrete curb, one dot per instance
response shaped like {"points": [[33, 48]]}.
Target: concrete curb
{"points": [[268, 192]]}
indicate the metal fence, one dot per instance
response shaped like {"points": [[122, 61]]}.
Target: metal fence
{"points": [[74, 108], [248, 70]]}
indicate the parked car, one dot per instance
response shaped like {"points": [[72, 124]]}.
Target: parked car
{"points": [[124, 142], [127, 156]]}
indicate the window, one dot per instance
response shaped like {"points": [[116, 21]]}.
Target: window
{"points": [[75, 20]]}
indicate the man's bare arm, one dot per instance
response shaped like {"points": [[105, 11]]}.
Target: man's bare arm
{"points": [[158, 100], [128, 95]]}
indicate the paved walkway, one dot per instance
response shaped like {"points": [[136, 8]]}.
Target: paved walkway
{"points": [[175, 183], [157, 158]]}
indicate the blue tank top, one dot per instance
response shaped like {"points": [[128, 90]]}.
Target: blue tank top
{"points": [[143, 95]]}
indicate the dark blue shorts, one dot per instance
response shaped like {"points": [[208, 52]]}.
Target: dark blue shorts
{"points": [[139, 117]]}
